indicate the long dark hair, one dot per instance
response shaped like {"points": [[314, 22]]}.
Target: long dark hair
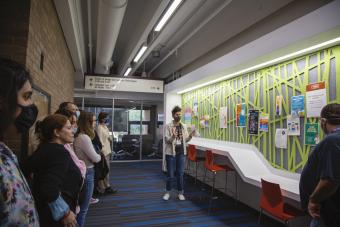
{"points": [[13, 76]]}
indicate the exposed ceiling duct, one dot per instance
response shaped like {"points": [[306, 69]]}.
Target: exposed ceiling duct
{"points": [[110, 17]]}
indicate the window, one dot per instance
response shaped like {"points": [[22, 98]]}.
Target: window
{"points": [[135, 129]]}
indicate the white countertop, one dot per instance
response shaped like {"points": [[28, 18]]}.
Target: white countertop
{"points": [[251, 165]]}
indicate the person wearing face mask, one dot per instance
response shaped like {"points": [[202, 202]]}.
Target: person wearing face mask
{"points": [[320, 177], [57, 180], [176, 138], [17, 206], [69, 106], [106, 139]]}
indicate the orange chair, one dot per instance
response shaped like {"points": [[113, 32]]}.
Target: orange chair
{"points": [[214, 168], [272, 203], [192, 158]]}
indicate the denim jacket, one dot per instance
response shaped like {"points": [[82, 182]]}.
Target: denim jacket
{"points": [[16, 201]]}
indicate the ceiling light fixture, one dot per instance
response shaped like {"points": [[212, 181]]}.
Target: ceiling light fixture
{"points": [[167, 15], [267, 63], [140, 53], [127, 71]]}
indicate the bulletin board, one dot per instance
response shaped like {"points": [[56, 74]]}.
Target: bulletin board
{"points": [[258, 90]]}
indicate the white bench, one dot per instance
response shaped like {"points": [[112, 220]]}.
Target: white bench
{"points": [[251, 166]]}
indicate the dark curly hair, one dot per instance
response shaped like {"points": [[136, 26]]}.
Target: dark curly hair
{"points": [[102, 116], [331, 112], [176, 109], [13, 76]]}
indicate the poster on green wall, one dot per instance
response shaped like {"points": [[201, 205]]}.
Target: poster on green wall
{"points": [[264, 122], [241, 115], [312, 136], [187, 116], [298, 106], [253, 122], [195, 108], [278, 105], [223, 117]]}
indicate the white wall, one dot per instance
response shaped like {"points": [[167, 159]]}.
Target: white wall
{"points": [[170, 100]]}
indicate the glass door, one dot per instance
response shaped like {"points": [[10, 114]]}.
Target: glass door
{"points": [[126, 130], [136, 127]]}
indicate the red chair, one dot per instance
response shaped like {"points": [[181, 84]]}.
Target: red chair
{"points": [[272, 203], [214, 168], [192, 158]]}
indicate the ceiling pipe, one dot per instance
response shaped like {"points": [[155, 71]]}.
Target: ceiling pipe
{"points": [[185, 39], [90, 32], [187, 10], [110, 17]]}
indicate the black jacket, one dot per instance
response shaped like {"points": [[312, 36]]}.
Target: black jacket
{"points": [[55, 174]]}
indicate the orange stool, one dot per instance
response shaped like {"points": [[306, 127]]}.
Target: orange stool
{"points": [[214, 168], [192, 158], [272, 203]]}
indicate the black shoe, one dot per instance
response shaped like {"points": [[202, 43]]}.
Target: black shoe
{"points": [[110, 190]]}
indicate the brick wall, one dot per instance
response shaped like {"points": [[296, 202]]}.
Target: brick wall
{"points": [[45, 36], [14, 19], [27, 29]]}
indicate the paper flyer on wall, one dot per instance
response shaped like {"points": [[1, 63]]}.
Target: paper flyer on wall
{"points": [[253, 122], [281, 138], [223, 117], [204, 122], [298, 105], [187, 115], [278, 105], [187, 118], [241, 115], [293, 125], [264, 122], [195, 108], [316, 98], [312, 136]]}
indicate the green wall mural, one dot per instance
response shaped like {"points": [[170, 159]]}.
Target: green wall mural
{"points": [[258, 90]]}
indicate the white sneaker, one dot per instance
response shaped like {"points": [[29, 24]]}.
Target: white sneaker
{"points": [[166, 196], [181, 197]]}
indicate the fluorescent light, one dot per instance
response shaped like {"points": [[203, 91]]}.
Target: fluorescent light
{"points": [[127, 71], [167, 15], [264, 64], [140, 53]]}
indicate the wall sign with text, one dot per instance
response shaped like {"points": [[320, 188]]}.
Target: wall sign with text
{"points": [[123, 84]]}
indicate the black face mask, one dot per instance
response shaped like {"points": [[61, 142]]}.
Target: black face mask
{"points": [[177, 119], [26, 118]]}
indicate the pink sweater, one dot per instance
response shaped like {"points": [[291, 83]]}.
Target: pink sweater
{"points": [[81, 165]]}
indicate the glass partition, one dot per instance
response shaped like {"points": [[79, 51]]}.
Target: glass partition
{"points": [[135, 126]]}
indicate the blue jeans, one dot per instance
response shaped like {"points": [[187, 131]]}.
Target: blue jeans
{"points": [[316, 222], [175, 164], [89, 181]]}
